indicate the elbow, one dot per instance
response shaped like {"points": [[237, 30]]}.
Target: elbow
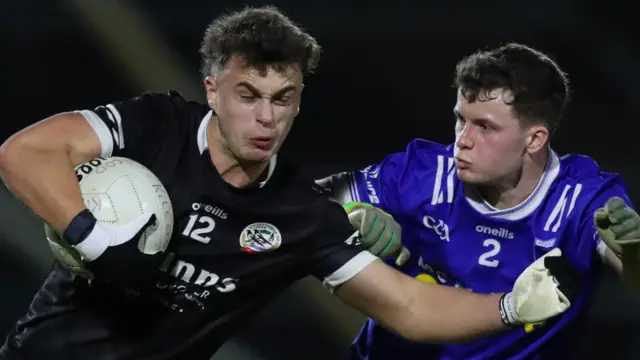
{"points": [[8, 153]]}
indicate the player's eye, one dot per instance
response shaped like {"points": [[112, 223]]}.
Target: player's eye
{"points": [[283, 101], [247, 96], [483, 126]]}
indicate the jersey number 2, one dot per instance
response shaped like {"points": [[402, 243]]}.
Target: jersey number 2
{"points": [[208, 224], [486, 259]]}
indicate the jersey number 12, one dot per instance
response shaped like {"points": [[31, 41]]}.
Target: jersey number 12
{"points": [[206, 226]]}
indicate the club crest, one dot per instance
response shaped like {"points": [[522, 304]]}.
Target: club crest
{"points": [[260, 237]]}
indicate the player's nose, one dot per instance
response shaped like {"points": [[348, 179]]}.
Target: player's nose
{"points": [[463, 140], [264, 113]]}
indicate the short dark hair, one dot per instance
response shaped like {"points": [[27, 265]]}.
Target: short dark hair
{"points": [[263, 37], [540, 88]]}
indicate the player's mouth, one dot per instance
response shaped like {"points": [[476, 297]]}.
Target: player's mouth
{"points": [[462, 164], [262, 142]]}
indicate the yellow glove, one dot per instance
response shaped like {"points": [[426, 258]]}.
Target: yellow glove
{"points": [[619, 227], [381, 234]]}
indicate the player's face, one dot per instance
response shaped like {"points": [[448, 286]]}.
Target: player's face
{"points": [[490, 142], [255, 110]]}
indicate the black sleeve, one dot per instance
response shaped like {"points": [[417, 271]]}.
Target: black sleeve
{"points": [[136, 128], [338, 254]]}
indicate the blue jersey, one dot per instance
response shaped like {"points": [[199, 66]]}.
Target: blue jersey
{"points": [[457, 239]]}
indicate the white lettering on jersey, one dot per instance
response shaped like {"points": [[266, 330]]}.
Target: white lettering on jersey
{"points": [[201, 226], [354, 239], [204, 279], [186, 272], [546, 244], [443, 175], [502, 232], [213, 210], [558, 213], [371, 171], [372, 194], [438, 226]]}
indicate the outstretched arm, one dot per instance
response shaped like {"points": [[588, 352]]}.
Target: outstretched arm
{"points": [[418, 311], [432, 313]]}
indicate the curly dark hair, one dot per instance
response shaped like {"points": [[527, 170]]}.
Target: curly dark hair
{"points": [[540, 88], [263, 37]]}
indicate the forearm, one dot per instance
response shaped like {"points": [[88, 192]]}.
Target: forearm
{"points": [[628, 270], [44, 180], [631, 275], [419, 311], [440, 314]]}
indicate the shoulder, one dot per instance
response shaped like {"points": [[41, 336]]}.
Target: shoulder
{"points": [[155, 106], [580, 188], [420, 159], [588, 179], [427, 171], [294, 185], [421, 153]]}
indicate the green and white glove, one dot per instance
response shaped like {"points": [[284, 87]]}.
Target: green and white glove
{"points": [[381, 234], [619, 227]]}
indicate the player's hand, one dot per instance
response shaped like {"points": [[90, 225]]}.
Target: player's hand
{"points": [[543, 290], [619, 227], [381, 234], [113, 254]]}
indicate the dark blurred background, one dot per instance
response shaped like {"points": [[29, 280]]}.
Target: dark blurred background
{"points": [[384, 79]]}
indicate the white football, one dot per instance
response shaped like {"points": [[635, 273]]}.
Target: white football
{"points": [[117, 191]]}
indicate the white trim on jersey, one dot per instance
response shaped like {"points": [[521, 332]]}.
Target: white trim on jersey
{"points": [[354, 195], [438, 193], [102, 131], [350, 269], [528, 206], [203, 145], [558, 212], [202, 133], [114, 115]]}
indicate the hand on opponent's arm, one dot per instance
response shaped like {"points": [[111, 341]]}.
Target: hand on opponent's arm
{"points": [[438, 314], [381, 234]]}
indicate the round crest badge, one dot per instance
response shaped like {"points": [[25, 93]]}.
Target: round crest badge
{"points": [[260, 237]]}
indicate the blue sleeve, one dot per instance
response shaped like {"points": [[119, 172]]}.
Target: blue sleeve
{"points": [[589, 245], [401, 182], [378, 184]]}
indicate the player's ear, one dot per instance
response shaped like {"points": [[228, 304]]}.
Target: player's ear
{"points": [[211, 87], [536, 139]]}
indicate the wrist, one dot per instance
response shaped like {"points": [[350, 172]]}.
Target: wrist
{"points": [[507, 310], [87, 236]]}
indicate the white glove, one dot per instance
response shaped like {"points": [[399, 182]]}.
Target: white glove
{"points": [[542, 291]]}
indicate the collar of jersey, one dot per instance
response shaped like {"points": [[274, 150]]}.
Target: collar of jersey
{"points": [[526, 207], [203, 146]]}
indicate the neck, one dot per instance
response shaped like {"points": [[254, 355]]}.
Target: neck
{"points": [[514, 190], [236, 173]]}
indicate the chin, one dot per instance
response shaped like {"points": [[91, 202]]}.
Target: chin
{"points": [[469, 177], [256, 155]]}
